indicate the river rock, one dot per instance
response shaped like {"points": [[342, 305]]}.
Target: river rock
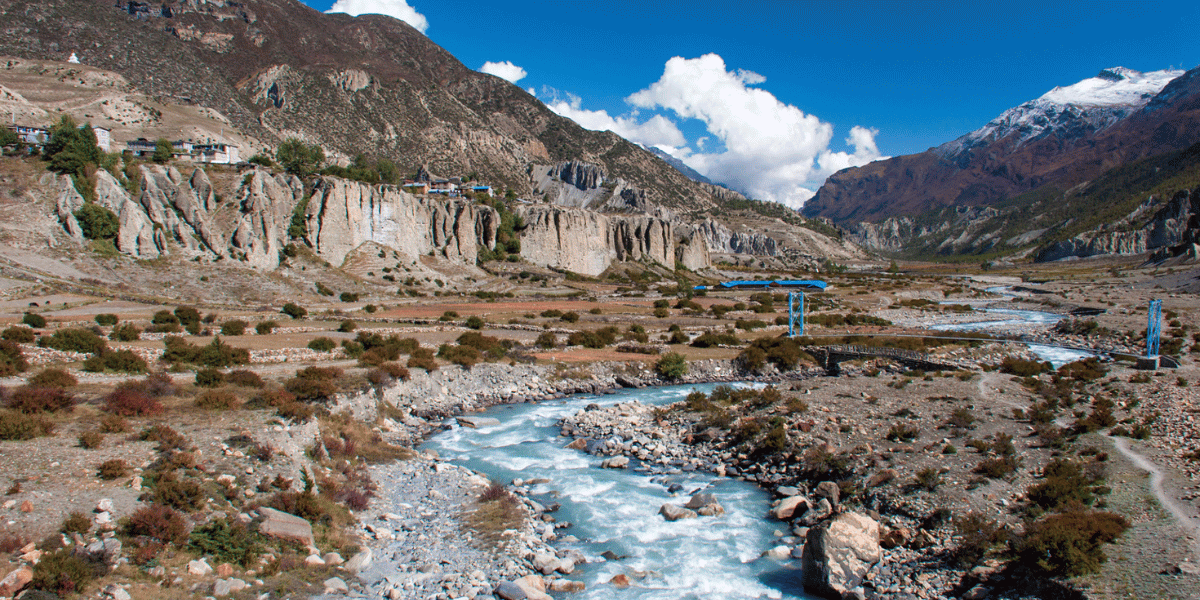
{"points": [[199, 567], [699, 500], [672, 512], [534, 587], [620, 580], [360, 561], [828, 490], [789, 506], [778, 553], [579, 444], [508, 590], [567, 585], [817, 513], [616, 462], [838, 554], [477, 422]]}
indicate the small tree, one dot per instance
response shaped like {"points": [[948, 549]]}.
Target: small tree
{"points": [[294, 310], [163, 151], [671, 366], [97, 222], [298, 158], [70, 147]]}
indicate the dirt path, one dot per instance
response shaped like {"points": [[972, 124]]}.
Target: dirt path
{"points": [[1187, 523]]}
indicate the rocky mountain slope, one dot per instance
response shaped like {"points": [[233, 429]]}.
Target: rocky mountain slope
{"points": [[1068, 136], [253, 73], [275, 68]]}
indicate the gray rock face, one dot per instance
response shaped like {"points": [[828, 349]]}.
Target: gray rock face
{"points": [[266, 202], [67, 203], [343, 215], [722, 240], [588, 242], [838, 553]]}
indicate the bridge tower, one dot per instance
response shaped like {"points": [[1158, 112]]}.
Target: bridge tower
{"points": [[795, 314], [1153, 328]]}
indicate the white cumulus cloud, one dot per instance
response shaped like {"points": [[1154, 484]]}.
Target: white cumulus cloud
{"points": [[772, 150], [504, 70], [398, 9], [655, 131]]}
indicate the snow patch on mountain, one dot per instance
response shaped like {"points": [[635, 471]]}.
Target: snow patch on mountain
{"points": [[1091, 105]]}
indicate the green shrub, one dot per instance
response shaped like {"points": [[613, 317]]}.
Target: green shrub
{"points": [[12, 359], [1069, 544], [550, 313], [235, 327], [90, 440], [35, 321], [370, 309], [322, 344], [901, 432], [189, 318], [53, 377], [1063, 485], [998, 467], [547, 340], [710, 340], [20, 335], [31, 399], [97, 222], [112, 469], [63, 573], [928, 479], [164, 317], [218, 400], [16, 425], [1023, 368], [570, 317], [226, 541], [977, 535], [347, 326], [265, 327], [314, 383], [210, 378], [74, 339], [467, 356], [107, 319], [181, 494], [113, 424], [348, 297], [216, 354], [132, 402], [76, 522], [474, 322], [167, 439], [121, 361], [245, 378], [125, 333], [672, 365], [157, 522], [294, 310]]}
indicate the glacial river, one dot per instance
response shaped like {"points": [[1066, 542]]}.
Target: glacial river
{"points": [[617, 509]]}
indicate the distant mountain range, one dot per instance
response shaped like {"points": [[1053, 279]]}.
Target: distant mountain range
{"points": [[1067, 136]]}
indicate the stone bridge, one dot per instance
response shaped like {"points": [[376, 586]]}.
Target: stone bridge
{"points": [[831, 356]]}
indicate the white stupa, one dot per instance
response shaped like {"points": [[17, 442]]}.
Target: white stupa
{"points": [[74, 59]]}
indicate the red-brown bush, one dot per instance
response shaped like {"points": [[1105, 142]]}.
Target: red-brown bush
{"points": [[31, 399], [132, 402], [157, 522]]}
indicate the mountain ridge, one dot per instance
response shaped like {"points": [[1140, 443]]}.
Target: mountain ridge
{"points": [[1079, 146]]}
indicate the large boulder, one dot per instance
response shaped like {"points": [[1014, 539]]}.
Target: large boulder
{"points": [[838, 554], [279, 524]]}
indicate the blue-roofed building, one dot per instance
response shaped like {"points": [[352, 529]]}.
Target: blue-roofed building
{"points": [[802, 284]]}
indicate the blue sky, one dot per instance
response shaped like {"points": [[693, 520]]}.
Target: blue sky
{"points": [[808, 87]]}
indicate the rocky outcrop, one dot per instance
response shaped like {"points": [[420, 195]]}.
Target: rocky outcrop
{"points": [[692, 252], [838, 553], [588, 242], [68, 201], [723, 240], [579, 184], [343, 215], [265, 204], [1174, 226]]}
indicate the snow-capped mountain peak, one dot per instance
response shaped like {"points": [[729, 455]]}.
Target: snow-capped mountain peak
{"points": [[1091, 105], [1113, 87]]}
